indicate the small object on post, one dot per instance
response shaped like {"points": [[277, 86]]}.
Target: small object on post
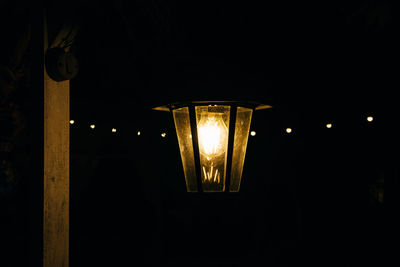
{"points": [[61, 65]]}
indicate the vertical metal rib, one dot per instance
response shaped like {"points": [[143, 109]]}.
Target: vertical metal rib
{"points": [[193, 127], [232, 126]]}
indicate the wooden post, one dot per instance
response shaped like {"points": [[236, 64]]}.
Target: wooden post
{"points": [[48, 184], [56, 171]]}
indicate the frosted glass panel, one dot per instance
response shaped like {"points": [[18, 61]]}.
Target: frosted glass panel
{"points": [[183, 131], [213, 132], [242, 128]]}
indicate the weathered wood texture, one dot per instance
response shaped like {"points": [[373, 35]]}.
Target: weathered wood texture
{"points": [[56, 172], [48, 178]]}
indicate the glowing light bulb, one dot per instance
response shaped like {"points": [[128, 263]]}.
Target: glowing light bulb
{"points": [[71, 121], [92, 126], [329, 125], [253, 133], [113, 130], [213, 141], [163, 135], [288, 130], [370, 118], [138, 133], [211, 136]]}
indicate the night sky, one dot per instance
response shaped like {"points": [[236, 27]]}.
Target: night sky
{"points": [[307, 198]]}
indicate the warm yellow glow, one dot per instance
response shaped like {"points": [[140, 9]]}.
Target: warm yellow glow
{"points": [[253, 133], [163, 135], [138, 133], [92, 126], [212, 131], [212, 134], [288, 130], [213, 175], [71, 121], [370, 118], [114, 130], [329, 125]]}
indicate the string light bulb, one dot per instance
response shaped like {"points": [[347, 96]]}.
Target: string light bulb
{"points": [[370, 118], [92, 126], [329, 125], [71, 122], [253, 133], [288, 130]]}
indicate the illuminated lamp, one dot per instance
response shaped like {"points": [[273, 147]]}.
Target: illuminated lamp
{"points": [[212, 137]]}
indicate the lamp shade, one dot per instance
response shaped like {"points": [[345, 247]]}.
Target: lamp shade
{"points": [[212, 137]]}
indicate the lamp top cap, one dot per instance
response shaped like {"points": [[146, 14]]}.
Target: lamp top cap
{"points": [[249, 104]]}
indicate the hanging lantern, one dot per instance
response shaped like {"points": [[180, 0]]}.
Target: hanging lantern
{"points": [[212, 138]]}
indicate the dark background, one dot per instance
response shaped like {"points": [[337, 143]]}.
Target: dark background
{"points": [[308, 198]]}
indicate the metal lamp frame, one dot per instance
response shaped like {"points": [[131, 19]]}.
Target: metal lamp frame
{"points": [[232, 128]]}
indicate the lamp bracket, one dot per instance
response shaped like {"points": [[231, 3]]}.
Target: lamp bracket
{"points": [[61, 63]]}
